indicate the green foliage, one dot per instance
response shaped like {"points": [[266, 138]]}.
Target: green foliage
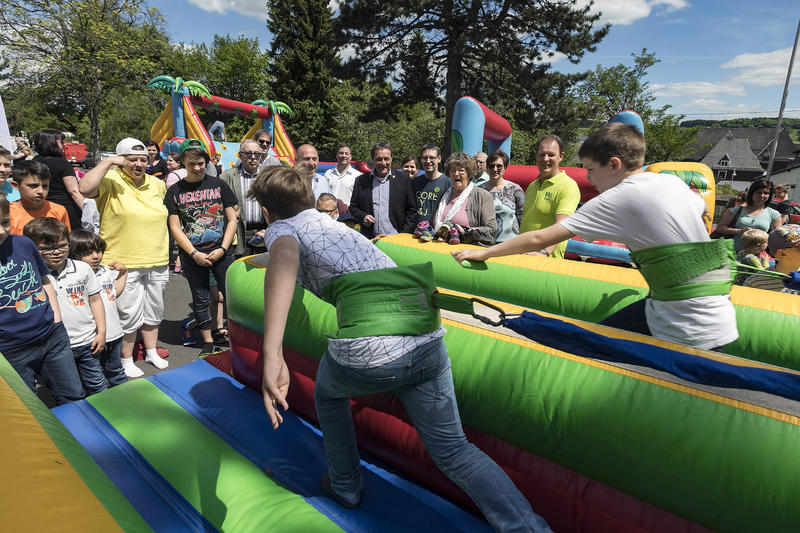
{"points": [[791, 125], [82, 51], [303, 71], [607, 91], [415, 75], [497, 52]]}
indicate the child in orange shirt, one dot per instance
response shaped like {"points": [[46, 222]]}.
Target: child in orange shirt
{"points": [[32, 180]]}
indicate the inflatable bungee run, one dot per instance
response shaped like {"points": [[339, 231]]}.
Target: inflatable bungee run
{"points": [[595, 445]]}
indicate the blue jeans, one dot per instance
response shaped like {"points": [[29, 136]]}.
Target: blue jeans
{"points": [[111, 363], [51, 357], [199, 284], [423, 382], [90, 369]]}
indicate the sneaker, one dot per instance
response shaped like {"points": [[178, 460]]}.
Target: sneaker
{"points": [[325, 485], [453, 237], [421, 228], [426, 235], [207, 349]]}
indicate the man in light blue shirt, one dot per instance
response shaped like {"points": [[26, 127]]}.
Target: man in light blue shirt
{"points": [[306, 162]]}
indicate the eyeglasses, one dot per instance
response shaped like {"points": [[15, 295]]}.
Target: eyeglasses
{"points": [[263, 141], [500, 165], [250, 154], [53, 249], [327, 211]]}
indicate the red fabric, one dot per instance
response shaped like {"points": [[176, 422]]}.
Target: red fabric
{"points": [[567, 500]]}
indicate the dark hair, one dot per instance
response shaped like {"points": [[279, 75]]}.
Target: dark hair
{"points": [[175, 156], [151, 142], [46, 143], [199, 152], [284, 191], [757, 186], [408, 158], [46, 230], [260, 132], [5, 206], [551, 137], [83, 243], [615, 139], [343, 146], [430, 147], [499, 154], [380, 145], [4, 152], [25, 169]]}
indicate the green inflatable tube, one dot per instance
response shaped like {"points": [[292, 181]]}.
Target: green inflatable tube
{"points": [[721, 463], [768, 322]]}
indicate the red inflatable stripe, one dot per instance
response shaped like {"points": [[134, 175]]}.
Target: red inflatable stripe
{"points": [[567, 500]]}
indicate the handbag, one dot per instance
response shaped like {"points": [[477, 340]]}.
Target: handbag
{"points": [[717, 235]]}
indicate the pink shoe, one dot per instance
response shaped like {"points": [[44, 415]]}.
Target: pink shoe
{"points": [[453, 237], [421, 227]]}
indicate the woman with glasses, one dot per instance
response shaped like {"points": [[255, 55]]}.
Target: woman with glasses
{"points": [[509, 198]]}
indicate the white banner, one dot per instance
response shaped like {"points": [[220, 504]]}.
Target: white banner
{"points": [[5, 135]]}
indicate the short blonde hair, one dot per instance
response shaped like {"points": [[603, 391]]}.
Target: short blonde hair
{"points": [[753, 237]]}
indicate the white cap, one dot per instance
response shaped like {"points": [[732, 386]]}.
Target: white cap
{"points": [[126, 147]]}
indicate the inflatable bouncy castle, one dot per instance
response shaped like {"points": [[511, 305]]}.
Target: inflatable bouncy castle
{"points": [[179, 120]]}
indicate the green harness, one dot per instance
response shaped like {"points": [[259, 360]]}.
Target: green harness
{"points": [[688, 270], [392, 301]]}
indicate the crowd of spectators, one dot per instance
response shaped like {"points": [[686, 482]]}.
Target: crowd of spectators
{"points": [[136, 216]]}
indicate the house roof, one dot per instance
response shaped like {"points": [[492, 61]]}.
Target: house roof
{"points": [[760, 140], [738, 153]]}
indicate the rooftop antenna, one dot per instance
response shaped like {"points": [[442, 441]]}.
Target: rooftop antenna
{"points": [[783, 105]]}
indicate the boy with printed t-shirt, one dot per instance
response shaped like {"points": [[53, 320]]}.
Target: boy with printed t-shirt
{"points": [[87, 247], [6, 188], [32, 181], [32, 337], [661, 220], [202, 220], [78, 293], [325, 257]]}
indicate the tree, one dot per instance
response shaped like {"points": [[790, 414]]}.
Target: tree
{"points": [[415, 74], [504, 46], [304, 61], [607, 91], [82, 51]]}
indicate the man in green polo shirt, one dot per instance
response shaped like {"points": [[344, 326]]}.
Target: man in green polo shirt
{"points": [[553, 196]]}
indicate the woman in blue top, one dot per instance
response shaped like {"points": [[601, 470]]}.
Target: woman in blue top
{"points": [[755, 214], [509, 198]]}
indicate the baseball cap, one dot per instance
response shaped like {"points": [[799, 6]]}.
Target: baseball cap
{"points": [[126, 147], [192, 143], [785, 236]]}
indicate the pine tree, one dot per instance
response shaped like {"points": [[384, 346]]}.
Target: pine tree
{"points": [[415, 75], [304, 60]]}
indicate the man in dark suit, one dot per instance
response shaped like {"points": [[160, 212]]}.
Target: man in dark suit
{"points": [[383, 201]]}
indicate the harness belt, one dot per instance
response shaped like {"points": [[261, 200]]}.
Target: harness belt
{"points": [[688, 270], [393, 301]]}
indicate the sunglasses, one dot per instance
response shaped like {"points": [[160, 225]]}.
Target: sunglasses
{"points": [[326, 211], [250, 154], [263, 141]]}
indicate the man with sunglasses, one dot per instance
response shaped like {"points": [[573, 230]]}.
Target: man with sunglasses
{"points": [[251, 225], [264, 140]]}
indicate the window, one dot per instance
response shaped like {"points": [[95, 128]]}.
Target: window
{"points": [[724, 161], [723, 174]]}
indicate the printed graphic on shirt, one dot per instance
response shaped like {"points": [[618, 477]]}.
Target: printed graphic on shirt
{"points": [[110, 290], [201, 210], [76, 293], [20, 288], [203, 224]]}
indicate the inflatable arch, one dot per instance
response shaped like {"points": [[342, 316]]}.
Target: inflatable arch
{"points": [[179, 120], [473, 122]]}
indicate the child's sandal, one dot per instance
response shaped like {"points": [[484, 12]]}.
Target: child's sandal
{"points": [[220, 335], [421, 228], [453, 237]]}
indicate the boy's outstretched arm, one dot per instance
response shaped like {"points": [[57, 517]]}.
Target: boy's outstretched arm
{"points": [[279, 283], [530, 241]]}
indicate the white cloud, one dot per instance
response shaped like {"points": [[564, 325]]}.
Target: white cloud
{"points": [[253, 8], [703, 89], [763, 69], [625, 12]]}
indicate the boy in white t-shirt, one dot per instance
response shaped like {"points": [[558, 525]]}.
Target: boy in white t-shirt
{"points": [[661, 220], [78, 293], [327, 258], [88, 248]]}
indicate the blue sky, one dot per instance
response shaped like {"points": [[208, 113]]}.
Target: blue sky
{"points": [[719, 58]]}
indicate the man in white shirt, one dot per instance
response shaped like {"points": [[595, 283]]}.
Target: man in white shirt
{"points": [[342, 176]]}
